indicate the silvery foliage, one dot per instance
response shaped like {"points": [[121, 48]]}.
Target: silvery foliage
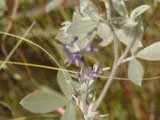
{"points": [[53, 4], [87, 24]]}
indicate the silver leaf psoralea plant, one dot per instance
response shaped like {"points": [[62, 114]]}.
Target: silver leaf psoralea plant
{"points": [[76, 38]]}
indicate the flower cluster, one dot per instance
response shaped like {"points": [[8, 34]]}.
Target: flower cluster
{"points": [[77, 37], [73, 57], [90, 73]]}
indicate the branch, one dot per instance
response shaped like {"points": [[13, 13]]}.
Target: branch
{"points": [[116, 64]]}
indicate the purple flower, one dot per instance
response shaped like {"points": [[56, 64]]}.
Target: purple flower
{"points": [[90, 73], [73, 57], [74, 53]]}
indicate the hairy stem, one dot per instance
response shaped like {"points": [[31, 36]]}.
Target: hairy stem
{"points": [[107, 85], [116, 64], [111, 77]]}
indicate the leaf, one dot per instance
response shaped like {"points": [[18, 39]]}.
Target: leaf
{"points": [[53, 5], [65, 83], [83, 5], [62, 35], [43, 101], [129, 33], [82, 27], [75, 84], [126, 36], [120, 7], [151, 53], [76, 15], [138, 38], [105, 33], [88, 9], [91, 11], [84, 30], [132, 33], [139, 11], [135, 72], [70, 113]]}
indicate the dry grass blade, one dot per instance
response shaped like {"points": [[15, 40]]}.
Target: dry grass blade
{"points": [[16, 46], [32, 43]]}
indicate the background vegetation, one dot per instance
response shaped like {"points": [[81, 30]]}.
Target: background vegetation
{"points": [[125, 101]]}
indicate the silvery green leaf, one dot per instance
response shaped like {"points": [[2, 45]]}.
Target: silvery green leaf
{"points": [[122, 36], [62, 35], [84, 30], [43, 100], [2, 6], [135, 72], [83, 5], [65, 83], [53, 4], [91, 11], [126, 36], [138, 38], [70, 112], [120, 7], [75, 84], [76, 16], [130, 33], [83, 43], [105, 33], [88, 9], [139, 11], [151, 53], [82, 27]]}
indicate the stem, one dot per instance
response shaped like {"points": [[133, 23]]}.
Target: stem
{"points": [[116, 64], [129, 46], [107, 85]]}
